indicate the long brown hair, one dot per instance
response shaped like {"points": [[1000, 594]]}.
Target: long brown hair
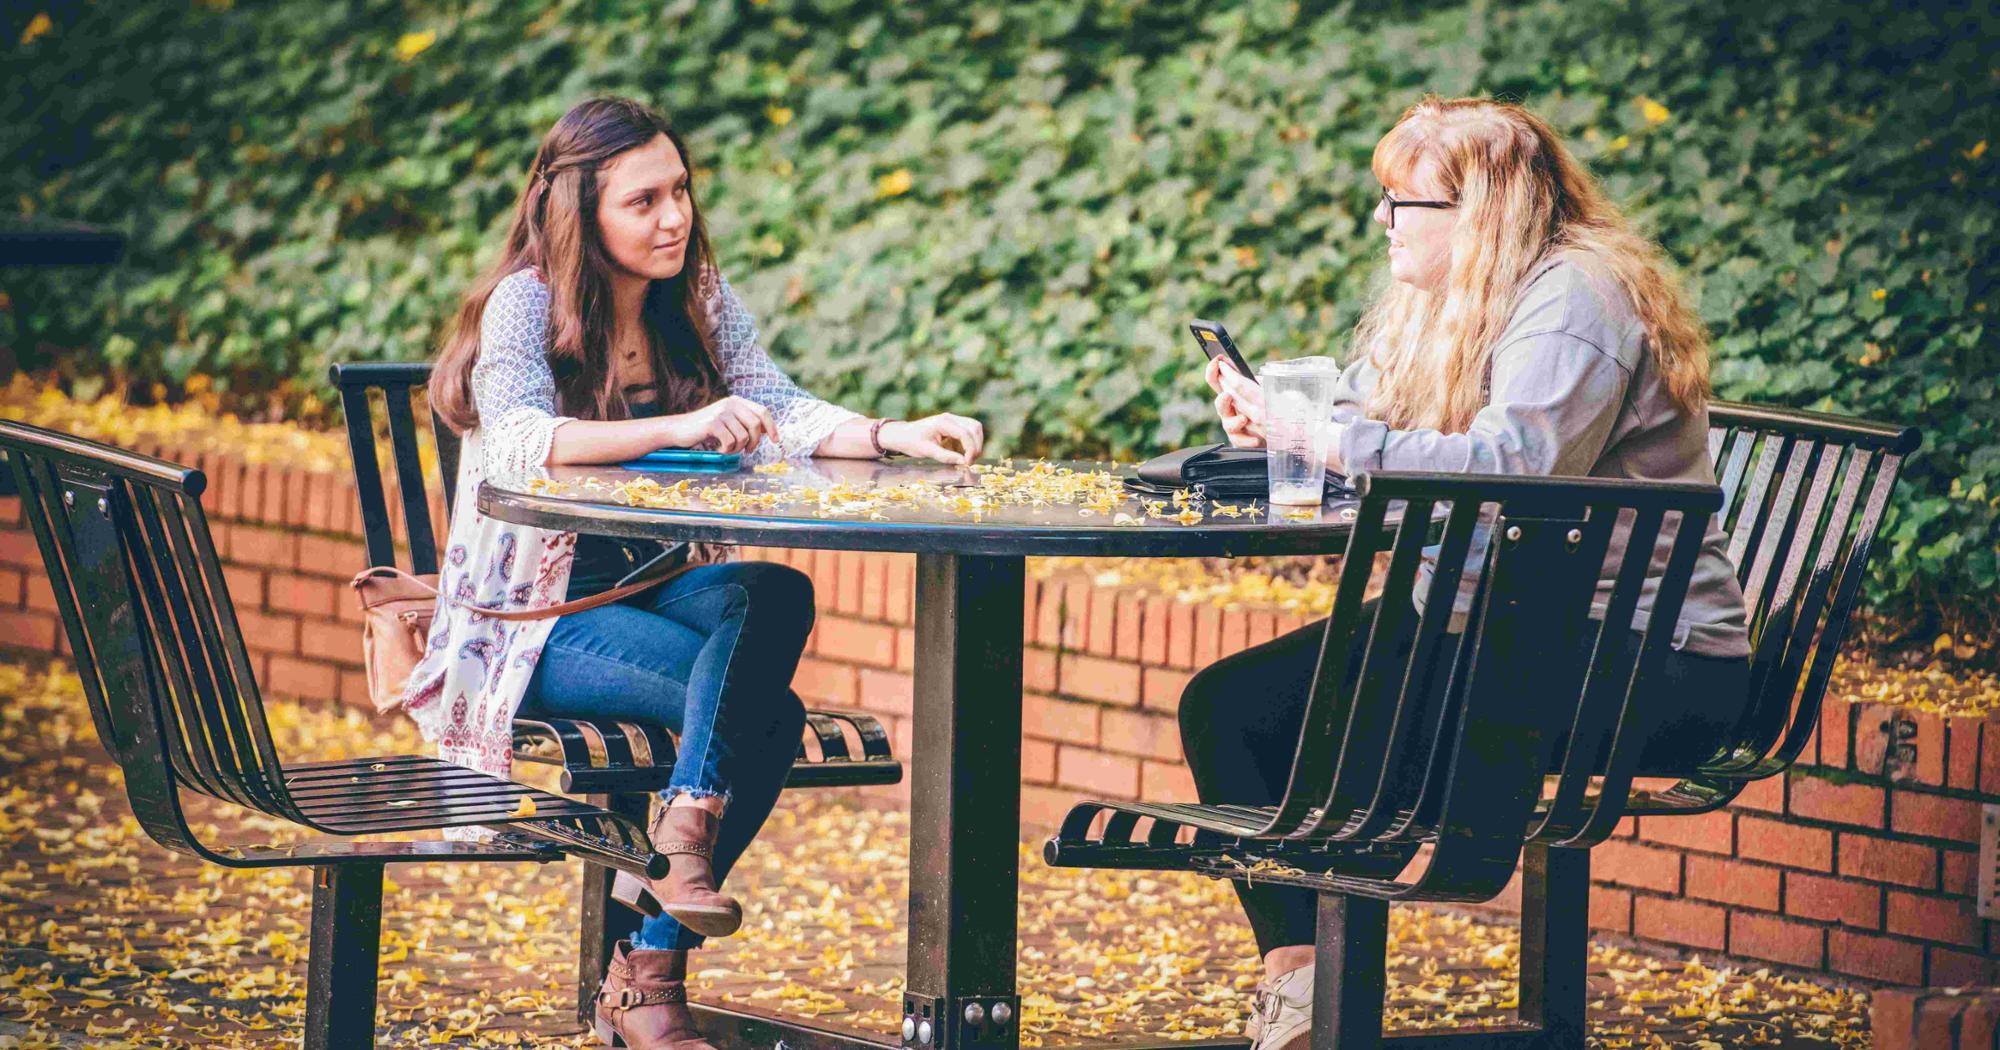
{"points": [[1521, 198], [555, 232]]}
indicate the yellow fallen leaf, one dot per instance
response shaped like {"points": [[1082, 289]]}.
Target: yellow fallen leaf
{"points": [[410, 45], [894, 184]]}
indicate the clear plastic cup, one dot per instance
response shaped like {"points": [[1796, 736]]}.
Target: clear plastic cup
{"points": [[1298, 400]]}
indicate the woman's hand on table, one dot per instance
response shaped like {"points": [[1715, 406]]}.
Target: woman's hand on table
{"points": [[925, 437], [1239, 401], [733, 424]]}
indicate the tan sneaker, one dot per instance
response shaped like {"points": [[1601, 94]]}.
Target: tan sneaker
{"points": [[1282, 1016]]}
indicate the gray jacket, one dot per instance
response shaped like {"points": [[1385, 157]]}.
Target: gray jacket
{"points": [[1574, 392]]}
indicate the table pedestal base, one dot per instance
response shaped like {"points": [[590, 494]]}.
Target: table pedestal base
{"points": [[965, 804], [746, 1028]]}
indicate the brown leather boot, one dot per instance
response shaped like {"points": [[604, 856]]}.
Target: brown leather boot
{"points": [[642, 1002], [686, 834]]}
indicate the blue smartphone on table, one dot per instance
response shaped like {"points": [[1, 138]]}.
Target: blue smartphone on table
{"points": [[685, 460]]}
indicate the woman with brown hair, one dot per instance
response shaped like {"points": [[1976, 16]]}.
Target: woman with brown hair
{"points": [[1527, 329], [603, 333]]}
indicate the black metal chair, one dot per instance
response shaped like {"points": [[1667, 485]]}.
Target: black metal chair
{"points": [[1801, 524], [617, 764], [176, 704], [1377, 777], [1391, 765]]}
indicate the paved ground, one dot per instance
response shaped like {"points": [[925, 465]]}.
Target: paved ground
{"points": [[112, 941]]}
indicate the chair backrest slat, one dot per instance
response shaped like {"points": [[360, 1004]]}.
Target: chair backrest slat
{"points": [[447, 447], [1373, 778], [125, 683], [1845, 584], [1627, 742], [368, 476], [1808, 534], [395, 382], [1729, 473], [1326, 711], [1753, 512], [228, 749], [1786, 618], [1607, 676], [41, 504], [410, 480], [198, 733], [1780, 526], [1370, 700], [217, 664], [228, 659]]}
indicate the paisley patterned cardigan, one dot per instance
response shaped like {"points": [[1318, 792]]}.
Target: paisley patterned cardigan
{"points": [[475, 669]]}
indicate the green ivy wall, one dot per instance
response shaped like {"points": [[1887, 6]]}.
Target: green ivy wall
{"points": [[1011, 208]]}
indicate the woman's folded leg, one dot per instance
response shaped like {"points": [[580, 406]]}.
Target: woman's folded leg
{"points": [[710, 655], [1240, 719], [742, 723]]}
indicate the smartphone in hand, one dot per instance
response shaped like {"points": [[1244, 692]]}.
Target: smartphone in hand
{"points": [[1215, 342]]}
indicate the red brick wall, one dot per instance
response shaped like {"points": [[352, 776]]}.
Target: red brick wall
{"points": [[289, 541], [1861, 862], [1948, 1019]]}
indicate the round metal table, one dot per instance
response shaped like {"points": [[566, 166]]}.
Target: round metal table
{"points": [[966, 753]]}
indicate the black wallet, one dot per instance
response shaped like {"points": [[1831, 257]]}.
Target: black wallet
{"points": [[1222, 471]]}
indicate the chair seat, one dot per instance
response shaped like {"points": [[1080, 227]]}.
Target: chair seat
{"points": [[1223, 847], [1244, 821], [1225, 844], [1240, 821], [609, 756], [397, 793], [598, 755]]}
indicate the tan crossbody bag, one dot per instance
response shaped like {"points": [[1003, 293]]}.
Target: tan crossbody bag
{"points": [[397, 608]]}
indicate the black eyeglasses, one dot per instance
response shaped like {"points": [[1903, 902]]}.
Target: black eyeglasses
{"points": [[1393, 204]]}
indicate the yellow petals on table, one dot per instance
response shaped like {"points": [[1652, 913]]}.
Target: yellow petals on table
{"points": [[1039, 487]]}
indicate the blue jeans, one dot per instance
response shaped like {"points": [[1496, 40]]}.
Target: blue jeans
{"points": [[710, 655]]}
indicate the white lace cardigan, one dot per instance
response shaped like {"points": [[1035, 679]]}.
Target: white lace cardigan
{"points": [[475, 669]]}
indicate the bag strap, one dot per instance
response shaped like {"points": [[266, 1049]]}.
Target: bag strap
{"points": [[578, 605]]}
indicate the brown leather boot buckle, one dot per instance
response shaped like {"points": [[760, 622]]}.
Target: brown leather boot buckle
{"points": [[627, 998]]}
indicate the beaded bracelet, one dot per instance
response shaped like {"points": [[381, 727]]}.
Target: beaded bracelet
{"points": [[875, 438]]}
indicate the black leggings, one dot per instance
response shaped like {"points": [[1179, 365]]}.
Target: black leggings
{"points": [[1241, 716]]}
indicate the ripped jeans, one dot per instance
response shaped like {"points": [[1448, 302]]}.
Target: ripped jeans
{"points": [[710, 655]]}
